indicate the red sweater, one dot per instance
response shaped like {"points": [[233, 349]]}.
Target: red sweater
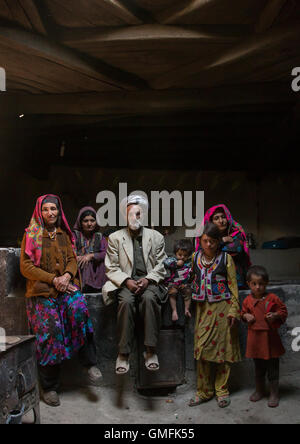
{"points": [[263, 340]]}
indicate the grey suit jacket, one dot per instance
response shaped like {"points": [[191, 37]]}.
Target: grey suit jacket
{"points": [[119, 259]]}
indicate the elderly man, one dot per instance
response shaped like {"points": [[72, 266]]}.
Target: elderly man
{"points": [[135, 270]]}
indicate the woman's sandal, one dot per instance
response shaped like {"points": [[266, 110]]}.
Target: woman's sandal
{"points": [[121, 364], [223, 401], [153, 361], [196, 400]]}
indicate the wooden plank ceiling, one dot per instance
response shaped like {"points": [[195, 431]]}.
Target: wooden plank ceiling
{"points": [[87, 64]]}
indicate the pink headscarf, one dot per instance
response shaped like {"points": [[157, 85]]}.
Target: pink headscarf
{"points": [[234, 227], [34, 232]]}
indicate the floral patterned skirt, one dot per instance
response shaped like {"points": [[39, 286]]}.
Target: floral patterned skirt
{"points": [[60, 325], [214, 340]]}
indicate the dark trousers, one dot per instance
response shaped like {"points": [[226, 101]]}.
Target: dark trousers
{"points": [[268, 367], [149, 308], [49, 374]]}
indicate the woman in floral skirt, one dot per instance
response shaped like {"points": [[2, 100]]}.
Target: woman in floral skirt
{"points": [[57, 311]]}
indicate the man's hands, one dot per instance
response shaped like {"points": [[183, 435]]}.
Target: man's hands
{"points": [[142, 284], [82, 261], [132, 285], [137, 287]]}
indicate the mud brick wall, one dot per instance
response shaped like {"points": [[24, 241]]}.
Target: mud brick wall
{"points": [[12, 289]]}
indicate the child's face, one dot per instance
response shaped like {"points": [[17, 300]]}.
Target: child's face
{"points": [[209, 245], [182, 255], [257, 286]]}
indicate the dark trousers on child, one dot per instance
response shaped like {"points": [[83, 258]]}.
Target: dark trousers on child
{"points": [[269, 367]]}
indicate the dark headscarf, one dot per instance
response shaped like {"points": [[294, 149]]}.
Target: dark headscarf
{"points": [[77, 225], [51, 199]]}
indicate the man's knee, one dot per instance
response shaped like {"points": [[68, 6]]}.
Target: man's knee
{"points": [[125, 297], [148, 298]]}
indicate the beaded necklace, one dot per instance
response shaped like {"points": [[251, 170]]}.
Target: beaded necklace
{"points": [[52, 234], [205, 263]]}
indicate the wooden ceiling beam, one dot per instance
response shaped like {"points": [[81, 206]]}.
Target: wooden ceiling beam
{"points": [[149, 102], [35, 45], [12, 10], [33, 15], [234, 62], [51, 27], [135, 10], [269, 15], [154, 32], [123, 10], [180, 10]]}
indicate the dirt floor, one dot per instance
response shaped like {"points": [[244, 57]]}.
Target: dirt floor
{"points": [[122, 404]]}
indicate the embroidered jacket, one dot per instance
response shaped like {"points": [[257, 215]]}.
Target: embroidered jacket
{"points": [[211, 283]]}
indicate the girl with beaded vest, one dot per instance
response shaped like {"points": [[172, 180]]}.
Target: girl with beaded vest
{"points": [[215, 291]]}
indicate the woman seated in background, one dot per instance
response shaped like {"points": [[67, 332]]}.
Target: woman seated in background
{"points": [[234, 241], [91, 250], [56, 309]]}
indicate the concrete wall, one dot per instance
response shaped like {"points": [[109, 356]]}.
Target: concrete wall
{"points": [[12, 287]]}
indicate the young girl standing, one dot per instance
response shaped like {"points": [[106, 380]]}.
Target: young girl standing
{"points": [[264, 312], [217, 311]]}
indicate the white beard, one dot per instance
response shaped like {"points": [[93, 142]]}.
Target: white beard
{"points": [[134, 225]]}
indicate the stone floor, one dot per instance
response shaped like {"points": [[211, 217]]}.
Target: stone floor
{"points": [[122, 404]]}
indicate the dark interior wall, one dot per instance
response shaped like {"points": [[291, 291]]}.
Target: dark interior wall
{"points": [[267, 205]]}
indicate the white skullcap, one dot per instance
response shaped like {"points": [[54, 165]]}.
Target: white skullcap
{"points": [[134, 199]]}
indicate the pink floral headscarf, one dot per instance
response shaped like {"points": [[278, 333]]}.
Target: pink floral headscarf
{"points": [[234, 227], [34, 232]]}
